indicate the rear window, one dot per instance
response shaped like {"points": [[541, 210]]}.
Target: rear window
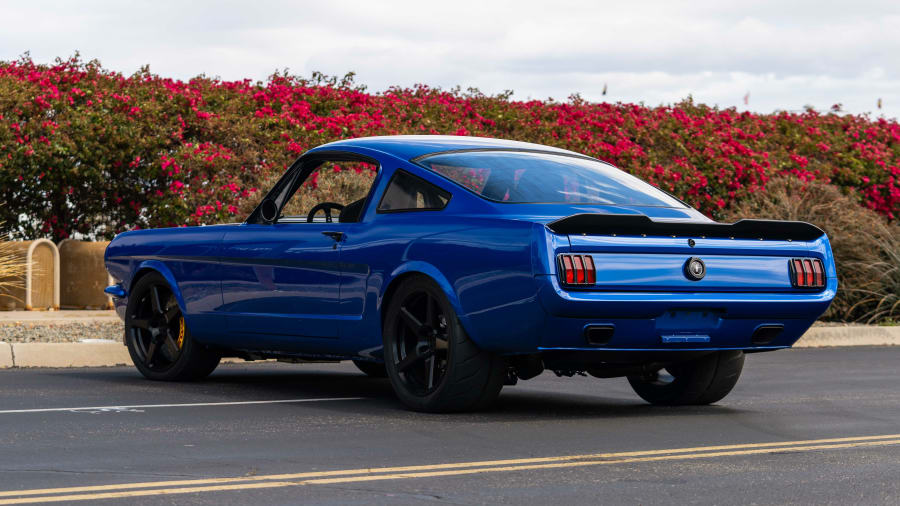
{"points": [[525, 177]]}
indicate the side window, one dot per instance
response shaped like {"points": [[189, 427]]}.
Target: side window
{"points": [[346, 183], [406, 192]]}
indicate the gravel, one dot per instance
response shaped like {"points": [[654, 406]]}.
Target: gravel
{"points": [[60, 332]]}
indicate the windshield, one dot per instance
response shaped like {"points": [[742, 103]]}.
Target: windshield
{"points": [[525, 177]]}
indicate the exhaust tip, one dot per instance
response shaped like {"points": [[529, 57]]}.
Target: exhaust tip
{"points": [[765, 334], [599, 335]]}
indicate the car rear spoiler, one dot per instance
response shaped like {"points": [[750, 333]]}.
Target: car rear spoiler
{"points": [[639, 224]]}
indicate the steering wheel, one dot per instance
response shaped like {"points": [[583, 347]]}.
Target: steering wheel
{"points": [[327, 207]]}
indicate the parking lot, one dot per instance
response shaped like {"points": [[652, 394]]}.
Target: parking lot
{"points": [[804, 426]]}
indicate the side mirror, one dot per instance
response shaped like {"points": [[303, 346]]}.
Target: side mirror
{"points": [[268, 211]]}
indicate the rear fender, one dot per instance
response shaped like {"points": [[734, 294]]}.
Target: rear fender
{"points": [[417, 266], [545, 245], [821, 248]]}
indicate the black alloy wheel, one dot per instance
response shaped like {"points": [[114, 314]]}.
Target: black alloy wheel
{"points": [[157, 337], [157, 328], [420, 355], [432, 363]]}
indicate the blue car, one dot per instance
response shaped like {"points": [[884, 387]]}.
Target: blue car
{"points": [[457, 265]]}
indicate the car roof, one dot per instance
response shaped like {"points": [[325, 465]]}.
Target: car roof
{"points": [[412, 146]]}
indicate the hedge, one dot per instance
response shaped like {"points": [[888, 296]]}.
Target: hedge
{"points": [[88, 151]]}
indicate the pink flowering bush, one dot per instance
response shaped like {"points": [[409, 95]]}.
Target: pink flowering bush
{"points": [[87, 150]]}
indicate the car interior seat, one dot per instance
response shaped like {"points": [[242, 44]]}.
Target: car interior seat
{"points": [[351, 212]]}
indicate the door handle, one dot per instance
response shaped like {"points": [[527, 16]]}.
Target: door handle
{"points": [[337, 236]]}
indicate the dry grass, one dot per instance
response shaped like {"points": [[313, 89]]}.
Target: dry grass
{"points": [[866, 247], [12, 268], [879, 293]]}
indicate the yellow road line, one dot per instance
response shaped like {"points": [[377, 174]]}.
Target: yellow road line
{"points": [[455, 472], [689, 456], [352, 475]]}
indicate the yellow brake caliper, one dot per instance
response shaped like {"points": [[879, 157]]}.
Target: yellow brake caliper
{"points": [[180, 341]]}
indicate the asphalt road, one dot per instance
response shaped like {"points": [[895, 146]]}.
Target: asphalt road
{"points": [[802, 426]]}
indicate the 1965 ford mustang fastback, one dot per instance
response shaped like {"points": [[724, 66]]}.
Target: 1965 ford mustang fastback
{"points": [[456, 265]]}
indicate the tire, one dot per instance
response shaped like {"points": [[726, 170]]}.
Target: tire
{"points": [[153, 315], [432, 364], [702, 381], [371, 369]]}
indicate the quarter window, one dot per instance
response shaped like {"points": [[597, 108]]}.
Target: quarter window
{"points": [[406, 192]]}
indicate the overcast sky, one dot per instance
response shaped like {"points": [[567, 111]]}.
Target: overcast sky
{"points": [[785, 54]]}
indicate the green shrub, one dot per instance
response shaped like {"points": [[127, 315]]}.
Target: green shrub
{"points": [[87, 151], [84, 150]]}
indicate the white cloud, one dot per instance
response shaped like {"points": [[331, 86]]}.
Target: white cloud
{"points": [[786, 54]]}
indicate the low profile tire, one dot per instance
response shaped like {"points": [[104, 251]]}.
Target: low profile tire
{"points": [[371, 369], [431, 362], [702, 381], [158, 340]]}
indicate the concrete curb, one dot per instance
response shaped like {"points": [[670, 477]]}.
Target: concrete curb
{"points": [[93, 354], [6, 356], [69, 354], [822, 336], [106, 354]]}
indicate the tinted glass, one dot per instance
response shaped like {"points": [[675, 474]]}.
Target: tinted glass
{"points": [[407, 192], [520, 177]]}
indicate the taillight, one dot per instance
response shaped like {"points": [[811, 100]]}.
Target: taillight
{"points": [[819, 274], [807, 273], [797, 277], [589, 269], [567, 274], [577, 270]]}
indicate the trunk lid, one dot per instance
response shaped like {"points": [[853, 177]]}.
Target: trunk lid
{"points": [[635, 253]]}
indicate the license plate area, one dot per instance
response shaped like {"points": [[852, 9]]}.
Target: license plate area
{"points": [[684, 338], [680, 326]]}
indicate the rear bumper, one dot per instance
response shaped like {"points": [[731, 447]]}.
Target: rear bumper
{"points": [[675, 321]]}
